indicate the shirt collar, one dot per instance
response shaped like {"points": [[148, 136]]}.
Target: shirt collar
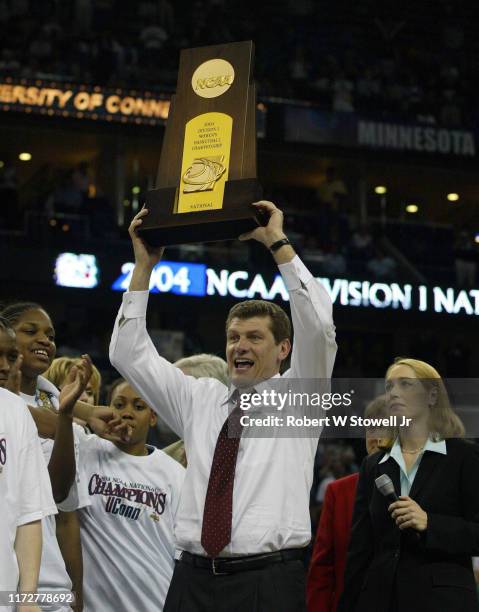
{"points": [[435, 447], [234, 392], [43, 384]]}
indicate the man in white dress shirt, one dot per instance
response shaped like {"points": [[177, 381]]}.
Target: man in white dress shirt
{"points": [[243, 519]]}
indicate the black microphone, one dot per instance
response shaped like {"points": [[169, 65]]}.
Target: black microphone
{"points": [[386, 487]]}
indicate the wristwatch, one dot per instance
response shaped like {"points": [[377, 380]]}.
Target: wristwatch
{"points": [[278, 244]]}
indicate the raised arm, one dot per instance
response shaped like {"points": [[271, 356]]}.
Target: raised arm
{"points": [[146, 257], [165, 388], [61, 466], [314, 347]]}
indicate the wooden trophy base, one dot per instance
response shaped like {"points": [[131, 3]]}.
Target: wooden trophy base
{"points": [[163, 227]]}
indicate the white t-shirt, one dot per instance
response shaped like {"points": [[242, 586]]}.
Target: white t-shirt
{"points": [[25, 490], [127, 531], [53, 574]]}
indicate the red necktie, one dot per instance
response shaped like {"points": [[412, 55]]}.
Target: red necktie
{"points": [[218, 512]]}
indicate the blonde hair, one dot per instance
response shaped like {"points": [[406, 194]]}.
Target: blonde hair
{"points": [[443, 421], [377, 409], [60, 368], [205, 366]]}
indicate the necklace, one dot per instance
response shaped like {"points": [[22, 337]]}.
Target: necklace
{"points": [[412, 451]]}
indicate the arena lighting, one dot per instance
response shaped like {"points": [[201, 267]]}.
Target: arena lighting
{"points": [[53, 222], [453, 197], [476, 238], [2, 163], [126, 202], [380, 190], [25, 156], [412, 208], [135, 189]]}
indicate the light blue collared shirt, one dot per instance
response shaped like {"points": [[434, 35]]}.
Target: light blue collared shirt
{"points": [[408, 478]]}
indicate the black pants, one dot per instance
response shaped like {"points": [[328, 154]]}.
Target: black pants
{"points": [[278, 587]]}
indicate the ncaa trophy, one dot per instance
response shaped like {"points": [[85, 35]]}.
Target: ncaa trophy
{"points": [[206, 178]]}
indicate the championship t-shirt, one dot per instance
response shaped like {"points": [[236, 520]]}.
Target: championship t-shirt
{"points": [[127, 530], [25, 490]]}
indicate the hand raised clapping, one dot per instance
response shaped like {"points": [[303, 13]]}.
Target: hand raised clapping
{"points": [[76, 383]]}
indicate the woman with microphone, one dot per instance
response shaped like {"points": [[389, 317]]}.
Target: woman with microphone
{"points": [[414, 555]]}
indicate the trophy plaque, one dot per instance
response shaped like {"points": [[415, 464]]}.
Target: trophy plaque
{"points": [[206, 179]]}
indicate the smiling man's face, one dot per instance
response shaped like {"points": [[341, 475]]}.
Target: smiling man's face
{"points": [[252, 353]]}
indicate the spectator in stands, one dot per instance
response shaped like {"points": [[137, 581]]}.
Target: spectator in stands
{"points": [[66, 198], [153, 38], [81, 179], [333, 469], [334, 262], [332, 191], [361, 246], [450, 112], [356, 71], [191, 252], [381, 266], [348, 458], [368, 89], [299, 68], [41, 48], [311, 252], [343, 89]]}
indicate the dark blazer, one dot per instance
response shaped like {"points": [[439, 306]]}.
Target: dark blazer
{"points": [[427, 573], [326, 570]]}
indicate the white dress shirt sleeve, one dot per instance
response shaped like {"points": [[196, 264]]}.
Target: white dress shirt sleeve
{"points": [[163, 386], [314, 346]]}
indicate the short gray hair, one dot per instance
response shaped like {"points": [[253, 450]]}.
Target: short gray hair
{"points": [[205, 365]]}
